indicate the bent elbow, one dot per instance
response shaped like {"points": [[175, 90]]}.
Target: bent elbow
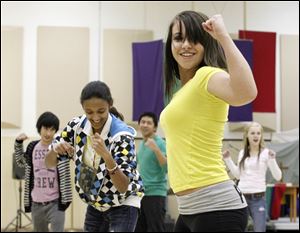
{"points": [[250, 96], [253, 95], [244, 99]]}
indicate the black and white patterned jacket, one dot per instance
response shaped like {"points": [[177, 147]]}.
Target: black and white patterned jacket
{"points": [[119, 139], [63, 170]]}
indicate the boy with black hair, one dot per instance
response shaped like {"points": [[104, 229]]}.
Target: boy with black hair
{"points": [[47, 191], [152, 165]]}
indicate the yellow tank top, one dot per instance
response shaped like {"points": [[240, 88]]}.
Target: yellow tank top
{"points": [[193, 123]]}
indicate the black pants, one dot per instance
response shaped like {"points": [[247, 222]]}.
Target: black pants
{"points": [[222, 221], [152, 214]]}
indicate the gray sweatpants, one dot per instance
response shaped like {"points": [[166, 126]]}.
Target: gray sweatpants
{"points": [[43, 215]]}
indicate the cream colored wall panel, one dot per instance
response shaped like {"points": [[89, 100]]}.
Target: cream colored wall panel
{"points": [[289, 64], [62, 70], [232, 12], [117, 65], [11, 76], [159, 14], [266, 119]]}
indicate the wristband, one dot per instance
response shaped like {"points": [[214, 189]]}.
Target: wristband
{"points": [[113, 170]]}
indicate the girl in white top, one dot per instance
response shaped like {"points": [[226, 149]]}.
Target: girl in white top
{"points": [[253, 162]]}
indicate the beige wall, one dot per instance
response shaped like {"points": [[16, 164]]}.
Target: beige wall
{"points": [[117, 65], [62, 70], [289, 63], [11, 76]]}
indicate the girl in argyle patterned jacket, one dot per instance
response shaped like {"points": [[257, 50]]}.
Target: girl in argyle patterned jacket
{"points": [[102, 147]]}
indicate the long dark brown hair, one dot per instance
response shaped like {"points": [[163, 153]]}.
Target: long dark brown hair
{"points": [[247, 144], [100, 90], [213, 53]]}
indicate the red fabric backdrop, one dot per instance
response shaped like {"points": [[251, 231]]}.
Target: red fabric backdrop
{"points": [[264, 57]]}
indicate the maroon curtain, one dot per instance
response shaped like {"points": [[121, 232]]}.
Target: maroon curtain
{"points": [[264, 51]]}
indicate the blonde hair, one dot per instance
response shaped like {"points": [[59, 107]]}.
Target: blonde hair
{"points": [[247, 144]]}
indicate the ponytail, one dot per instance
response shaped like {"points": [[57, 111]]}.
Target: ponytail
{"points": [[115, 112]]}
